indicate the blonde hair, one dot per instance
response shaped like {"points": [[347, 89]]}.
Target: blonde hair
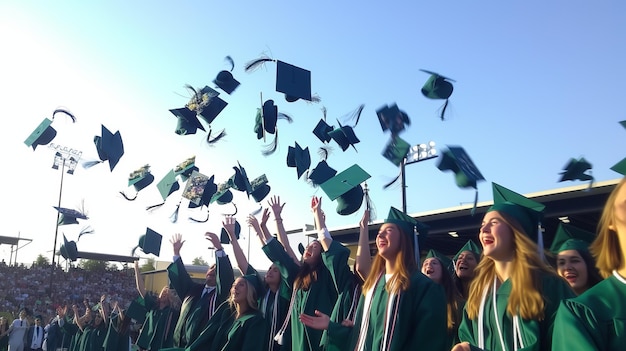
{"points": [[251, 296], [525, 299], [405, 266], [605, 248]]}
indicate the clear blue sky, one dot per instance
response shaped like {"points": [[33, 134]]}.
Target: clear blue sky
{"points": [[536, 83]]}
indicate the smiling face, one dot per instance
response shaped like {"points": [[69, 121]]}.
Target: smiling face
{"points": [[465, 265], [388, 240], [239, 291], [497, 237], [313, 253], [432, 269], [572, 267], [272, 276]]}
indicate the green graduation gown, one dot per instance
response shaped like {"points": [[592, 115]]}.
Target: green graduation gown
{"points": [[595, 320], [268, 301], [535, 335], [195, 310], [420, 322], [117, 337], [157, 331], [320, 296]]}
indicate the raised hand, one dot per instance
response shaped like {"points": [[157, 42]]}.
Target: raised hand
{"points": [[364, 223], [214, 239], [265, 216], [276, 206], [229, 224], [177, 242], [254, 223]]}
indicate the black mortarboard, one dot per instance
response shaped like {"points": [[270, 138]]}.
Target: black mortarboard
{"points": [[188, 122], [212, 110], [294, 81], [266, 122], [199, 189], [438, 87], [69, 215], [299, 158], [396, 150], [223, 194], [224, 238], [226, 81], [346, 188], [240, 180], [139, 179], [344, 136], [321, 173], [149, 243], [575, 170], [109, 146], [42, 135], [321, 131], [69, 250], [392, 119], [620, 167], [137, 310], [260, 188]]}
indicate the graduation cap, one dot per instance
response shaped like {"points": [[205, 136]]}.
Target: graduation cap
{"points": [[168, 184], [137, 310], [45, 133], [109, 146], [266, 121], [294, 82], [344, 136], [225, 79], [149, 243], [527, 212], [188, 122], [438, 87], [225, 239], [240, 180], [620, 167], [409, 226], [68, 250], [575, 170], [69, 215], [569, 237], [199, 189], [321, 173], [446, 262], [466, 174], [299, 158], [139, 179], [321, 131], [259, 188], [470, 246], [185, 168], [392, 119], [345, 187], [223, 195], [396, 150]]}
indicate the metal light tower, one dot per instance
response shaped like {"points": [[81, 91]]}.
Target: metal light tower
{"points": [[416, 154]]}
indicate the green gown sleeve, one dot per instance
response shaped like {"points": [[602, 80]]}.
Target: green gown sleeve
{"points": [[179, 278], [276, 253], [576, 328], [225, 278]]}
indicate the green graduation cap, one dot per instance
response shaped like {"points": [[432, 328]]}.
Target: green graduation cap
{"points": [[68, 250], [42, 135], [149, 243], [168, 184], [137, 310], [223, 195], [139, 179], [299, 158], [225, 239], [470, 246], [266, 121], [321, 173], [109, 146], [575, 170], [466, 173], [225, 81], [321, 131], [346, 188], [526, 211], [438, 87], [446, 262], [396, 150], [185, 168], [259, 188], [294, 82], [569, 237], [620, 167], [188, 122], [392, 119], [408, 225], [344, 136], [69, 215]]}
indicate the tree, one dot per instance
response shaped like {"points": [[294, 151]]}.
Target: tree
{"points": [[93, 265], [148, 266], [42, 261], [198, 261]]}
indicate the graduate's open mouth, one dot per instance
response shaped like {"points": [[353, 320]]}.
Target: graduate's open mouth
{"points": [[571, 277], [487, 241], [430, 271], [462, 267]]}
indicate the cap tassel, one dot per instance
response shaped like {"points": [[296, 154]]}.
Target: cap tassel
{"points": [[219, 136], [150, 208], [271, 148], [473, 211], [540, 241], [443, 111], [392, 182], [255, 64], [89, 164], [200, 221], [369, 204], [87, 230], [324, 152], [315, 99], [60, 110], [174, 216], [416, 241], [355, 116], [230, 61], [132, 252], [128, 198]]}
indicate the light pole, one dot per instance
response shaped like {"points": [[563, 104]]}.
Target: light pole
{"points": [[416, 154], [64, 157]]}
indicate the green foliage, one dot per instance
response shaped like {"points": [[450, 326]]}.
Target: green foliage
{"points": [[42, 261], [199, 261], [148, 266], [93, 265]]}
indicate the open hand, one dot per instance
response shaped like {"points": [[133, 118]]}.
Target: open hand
{"points": [[320, 321]]}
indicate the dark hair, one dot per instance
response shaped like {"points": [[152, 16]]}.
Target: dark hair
{"points": [[593, 274], [458, 282]]}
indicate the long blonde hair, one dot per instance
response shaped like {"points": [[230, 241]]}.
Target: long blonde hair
{"points": [[251, 297], [525, 299], [606, 249], [405, 266]]}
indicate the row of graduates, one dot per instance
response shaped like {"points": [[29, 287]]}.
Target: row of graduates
{"points": [[318, 303]]}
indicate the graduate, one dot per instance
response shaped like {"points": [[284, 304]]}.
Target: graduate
{"points": [[273, 297], [595, 319], [400, 308], [574, 262], [514, 297], [437, 267], [311, 283], [463, 265]]}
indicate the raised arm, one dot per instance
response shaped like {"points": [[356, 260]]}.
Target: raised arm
{"points": [[103, 310], [224, 276], [277, 209], [138, 281], [263, 234], [323, 236], [363, 257], [242, 262]]}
